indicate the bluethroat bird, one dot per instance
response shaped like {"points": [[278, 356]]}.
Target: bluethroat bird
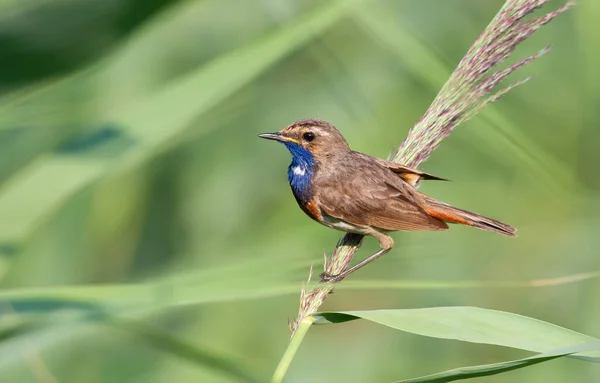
{"points": [[357, 193]]}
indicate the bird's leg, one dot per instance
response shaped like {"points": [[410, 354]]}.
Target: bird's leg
{"points": [[385, 241]]}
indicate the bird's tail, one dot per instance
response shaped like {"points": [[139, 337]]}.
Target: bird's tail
{"points": [[451, 214]]}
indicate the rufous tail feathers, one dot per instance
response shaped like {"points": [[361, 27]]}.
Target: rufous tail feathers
{"points": [[451, 214]]}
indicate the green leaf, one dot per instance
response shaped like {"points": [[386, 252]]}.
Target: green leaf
{"points": [[472, 324], [476, 325], [498, 368], [249, 280]]}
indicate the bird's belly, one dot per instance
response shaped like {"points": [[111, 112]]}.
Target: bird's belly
{"points": [[339, 224]]}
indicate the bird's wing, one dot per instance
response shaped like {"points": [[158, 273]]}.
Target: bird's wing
{"points": [[412, 176], [374, 196]]}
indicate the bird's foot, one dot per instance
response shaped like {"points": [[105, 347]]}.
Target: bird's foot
{"points": [[331, 278]]}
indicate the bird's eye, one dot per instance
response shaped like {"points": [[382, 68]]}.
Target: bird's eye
{"points": [[308, 136]]}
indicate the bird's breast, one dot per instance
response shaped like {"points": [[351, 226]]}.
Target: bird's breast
{"points": [[312, 210]]}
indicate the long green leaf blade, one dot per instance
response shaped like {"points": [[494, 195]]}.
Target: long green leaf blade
{"points": [[472, 324], [498, 368]]}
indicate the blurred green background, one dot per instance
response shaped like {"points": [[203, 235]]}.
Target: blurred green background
{"points": [[131, 178]]}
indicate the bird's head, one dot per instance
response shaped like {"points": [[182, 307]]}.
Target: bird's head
{"points": [[319, 138]]}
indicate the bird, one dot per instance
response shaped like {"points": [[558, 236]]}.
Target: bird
{"points": [[356, 193]]}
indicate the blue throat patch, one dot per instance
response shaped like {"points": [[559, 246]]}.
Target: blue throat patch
{"points": [[300, 172]]}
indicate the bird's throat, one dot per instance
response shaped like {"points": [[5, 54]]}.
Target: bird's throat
{"points": [[300, 172]]}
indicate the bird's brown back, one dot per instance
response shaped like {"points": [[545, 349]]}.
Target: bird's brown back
{"points": [[361, 190]]}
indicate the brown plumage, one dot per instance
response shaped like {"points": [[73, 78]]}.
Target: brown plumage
{"points": [[354, 192]]}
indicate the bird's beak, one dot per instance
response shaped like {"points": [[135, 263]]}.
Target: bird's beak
{"points": [[277, 137], [271, 136]]}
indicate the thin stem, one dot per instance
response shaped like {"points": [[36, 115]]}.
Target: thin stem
{"points": [[290, 352]]}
